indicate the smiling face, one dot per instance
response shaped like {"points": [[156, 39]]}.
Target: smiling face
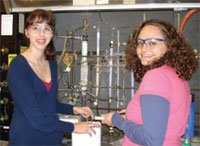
{"points": [[150, 44], [39, 35]]}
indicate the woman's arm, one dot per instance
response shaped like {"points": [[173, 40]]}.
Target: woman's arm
{"points": [[155, 114], [64, 108]]}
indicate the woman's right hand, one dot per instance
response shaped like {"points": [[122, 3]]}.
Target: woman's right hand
{"points": [[85, 128]]}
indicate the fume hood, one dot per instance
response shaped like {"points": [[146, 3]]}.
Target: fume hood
{"points": [[13, 6]]}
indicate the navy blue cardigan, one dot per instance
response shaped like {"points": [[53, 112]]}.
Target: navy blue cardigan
{"points": [[35, 120]]}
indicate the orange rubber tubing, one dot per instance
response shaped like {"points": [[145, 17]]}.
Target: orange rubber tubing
{"points": [[185, 19]]}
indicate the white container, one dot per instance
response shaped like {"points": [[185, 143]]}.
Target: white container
{"points": [[70, 118]]}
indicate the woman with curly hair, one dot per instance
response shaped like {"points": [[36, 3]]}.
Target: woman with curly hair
{"points": [[163, 62]]}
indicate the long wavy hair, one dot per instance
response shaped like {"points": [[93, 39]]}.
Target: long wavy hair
{"points": [[40, 16], [179, 55]]}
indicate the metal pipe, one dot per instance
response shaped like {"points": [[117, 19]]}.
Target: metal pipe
{"points": [[118, 45], [132, 73], [185, 19], [90, 81], [108, 65], [102, 108], [97, 68], [60, 89], [178, 17], [84, 64], [114, 87], [150, 6], [144, 16], [73, 50], [111, 68]]}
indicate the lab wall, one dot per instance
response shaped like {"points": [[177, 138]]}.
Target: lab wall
{"points": [[110, 85]]}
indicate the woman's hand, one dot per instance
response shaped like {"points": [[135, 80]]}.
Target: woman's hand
{"points": [[108, 118], [84, 111], [85, 128]]}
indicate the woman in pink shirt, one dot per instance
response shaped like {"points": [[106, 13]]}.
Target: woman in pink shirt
{"points": [[163, 62]]}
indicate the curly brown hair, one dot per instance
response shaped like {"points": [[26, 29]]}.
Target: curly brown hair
{"points": [[39, 16], [179, 55]]}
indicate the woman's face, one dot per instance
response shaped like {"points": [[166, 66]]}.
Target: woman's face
{"points": [[150, 44], [39, 34]]}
